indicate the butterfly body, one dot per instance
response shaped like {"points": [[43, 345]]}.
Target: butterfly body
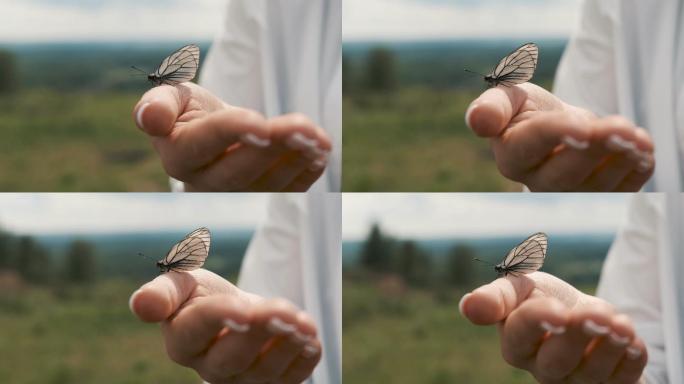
{"points": [[188, 254], [526, 257], [515, 68]]}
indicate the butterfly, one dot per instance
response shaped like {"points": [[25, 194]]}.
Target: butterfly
{"points": [[179, 67], [188, 254], [515, 68], [526, 257]]}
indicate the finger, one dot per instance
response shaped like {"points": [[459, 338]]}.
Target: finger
{"points": [[525, 146], [197, 324], [161, 297], [560, 354], [630, 369], [634, 181], [158, 109], [528, 325], [493, 302], [609, 175], [598, 365], [274, 361], [302, 367], [198, 143], [305, 180], [233, 353]]}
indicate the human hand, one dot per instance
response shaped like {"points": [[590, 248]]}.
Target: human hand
{"points": [[228, 335], [212, 146], [549, 145], [557, 333]]}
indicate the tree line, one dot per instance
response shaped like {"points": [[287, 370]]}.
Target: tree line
{"points": [[382, 254], [34, 263]]}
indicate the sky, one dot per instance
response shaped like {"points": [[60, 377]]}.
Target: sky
{"points": [[179, 20], [424, 216], [74, 213], [443, 19], [109, 20]]}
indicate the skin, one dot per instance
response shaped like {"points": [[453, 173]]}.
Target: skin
{"points": [[205, 142], [543, 325], [193, 307], [528, 129]]}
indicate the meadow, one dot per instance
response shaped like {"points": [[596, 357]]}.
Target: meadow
{"points": [[81, 335], [67, 124]]}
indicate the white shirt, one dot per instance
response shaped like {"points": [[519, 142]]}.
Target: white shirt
{"points": [[627, 58], [278, 57], [642, 277]]}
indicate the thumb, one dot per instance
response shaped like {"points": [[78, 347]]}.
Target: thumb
{"points": [[493, 302], [158, 110], [161, 297]]}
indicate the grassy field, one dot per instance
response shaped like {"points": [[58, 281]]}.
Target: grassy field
{"points": [[417, 337], [75, 141], [415, 140], [81, 336]]}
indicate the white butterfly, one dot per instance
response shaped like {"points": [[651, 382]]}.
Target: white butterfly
{"points": [[189, 253], [179, 67], [527, 257], [516, 68]]}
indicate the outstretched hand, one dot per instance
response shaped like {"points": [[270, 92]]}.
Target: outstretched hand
{"points": [[549, 145], [228, 335], [557, 333], [213, 146]]}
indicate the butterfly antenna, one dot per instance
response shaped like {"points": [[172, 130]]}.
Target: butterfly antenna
{"points": [[483, 262], [145, 256], [139, 70], [477, 73]]}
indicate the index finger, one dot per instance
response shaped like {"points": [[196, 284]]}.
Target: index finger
{"points": [[493, 302]]}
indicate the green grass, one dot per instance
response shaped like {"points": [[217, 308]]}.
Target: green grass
{"points": [[417, 337], [415, 140], [54, 141], [81, 336]]}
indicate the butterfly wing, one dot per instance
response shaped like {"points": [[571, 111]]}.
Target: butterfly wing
{"points": [[180, 66], [518, 66], [528, 256], [189, 253]]}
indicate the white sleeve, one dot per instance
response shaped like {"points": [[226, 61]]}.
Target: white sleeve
{"points": [[586, 75], [272, 266], [630, 278]]}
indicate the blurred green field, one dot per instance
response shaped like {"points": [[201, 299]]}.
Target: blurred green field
{"points": [[81, 335], [415, 140], [417, 337], [75, 141]]}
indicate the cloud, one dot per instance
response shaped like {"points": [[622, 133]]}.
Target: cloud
{"points": [[441, 215], [435, 19], [102, 213]]}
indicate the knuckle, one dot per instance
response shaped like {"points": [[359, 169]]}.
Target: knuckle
{"points": [[300, 119]]}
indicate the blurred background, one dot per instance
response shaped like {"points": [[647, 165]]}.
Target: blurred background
{"points": [[406, 91], [408, 259], [67, 89], [68, 264]]}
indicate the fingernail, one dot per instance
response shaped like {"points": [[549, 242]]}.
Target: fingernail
{"points": [[235, 326], [300, 142], [461, 303], [618, 341], [131, 299], [470, 109], [139, 115], [592, 329], [633, 353], [644, 166], [552, 329], [574, 143], [252, 139], [300, 338], [276, 325], [618, 144], [318, 164], [313, 153], [309, 351]]}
